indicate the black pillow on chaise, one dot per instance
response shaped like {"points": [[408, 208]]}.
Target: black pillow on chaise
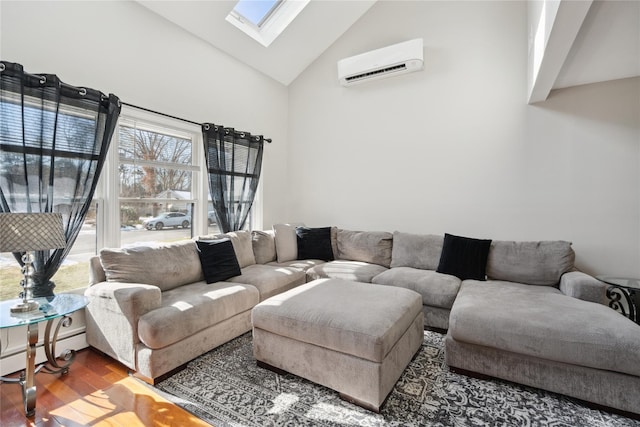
{"points": [[464, 257]]}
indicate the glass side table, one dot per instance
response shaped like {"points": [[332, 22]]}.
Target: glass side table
{"points": [[624, 295], [56, 308]]}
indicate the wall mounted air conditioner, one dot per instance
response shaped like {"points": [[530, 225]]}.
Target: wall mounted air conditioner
{"points": [[393, 60]]}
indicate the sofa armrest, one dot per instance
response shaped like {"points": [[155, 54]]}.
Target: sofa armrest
{"points": [[112, 317], [96, 273], [582, 286]]}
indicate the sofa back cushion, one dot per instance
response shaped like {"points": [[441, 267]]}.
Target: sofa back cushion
{"points": [[373, 247], [264, 246], [286, 241], [416, 250], [166, 266], [242, 245], [533, 263]]}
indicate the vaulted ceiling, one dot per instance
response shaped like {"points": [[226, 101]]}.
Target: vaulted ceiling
{"points": [[315, 29], [607, 46]]}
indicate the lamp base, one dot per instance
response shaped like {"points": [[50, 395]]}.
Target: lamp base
{"points": [[25, 307]]}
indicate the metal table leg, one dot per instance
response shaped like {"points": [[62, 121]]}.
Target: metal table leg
{"points": [[28, 383], [51, 366], [625, 301]]}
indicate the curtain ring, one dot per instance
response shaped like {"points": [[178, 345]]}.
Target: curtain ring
{"points": [[2, 67], [83, 91], [43, 79], [206, 126], [241, 134]]}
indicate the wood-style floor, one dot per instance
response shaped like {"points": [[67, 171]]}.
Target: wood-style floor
{"points": [[97, 391]]}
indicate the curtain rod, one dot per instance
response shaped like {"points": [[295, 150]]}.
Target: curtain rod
{"points": [[172, 117], [162, 114]]}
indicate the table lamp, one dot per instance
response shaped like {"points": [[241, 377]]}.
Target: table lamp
{"points": [[28, 232]]}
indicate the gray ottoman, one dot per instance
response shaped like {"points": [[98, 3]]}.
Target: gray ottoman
{"points": [[355, 338]]}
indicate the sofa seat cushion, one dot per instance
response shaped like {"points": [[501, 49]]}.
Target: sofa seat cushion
{"points": [[299, 264], [359, 319], [542, 322], [436, 289], [355, 271], [191, 308], [270, 280]]}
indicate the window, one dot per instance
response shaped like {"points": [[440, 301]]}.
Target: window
{"points": [[265, 20], [162, 185]]}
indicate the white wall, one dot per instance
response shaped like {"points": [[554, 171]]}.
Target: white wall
{"points": [[455, 148], [123, 48]]}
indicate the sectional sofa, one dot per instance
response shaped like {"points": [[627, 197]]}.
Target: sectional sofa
{"points": [[521, 313]]}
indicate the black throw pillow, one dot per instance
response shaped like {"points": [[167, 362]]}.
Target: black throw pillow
{"points": [[464, 257], [218, 260], [314, 243]]}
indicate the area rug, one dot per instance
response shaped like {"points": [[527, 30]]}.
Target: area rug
{"points": [[225, 388]]}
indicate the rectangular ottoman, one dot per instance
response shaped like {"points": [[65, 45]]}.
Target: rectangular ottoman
{"points": [[355, 338]]}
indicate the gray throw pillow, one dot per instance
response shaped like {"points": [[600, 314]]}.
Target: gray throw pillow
{"points": [[264, 246], [286, 241]]}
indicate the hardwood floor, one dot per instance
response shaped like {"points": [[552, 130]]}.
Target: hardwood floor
{"points": [[97, 391]]}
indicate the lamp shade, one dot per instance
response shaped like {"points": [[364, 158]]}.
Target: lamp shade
{"points": [[23, 232]]}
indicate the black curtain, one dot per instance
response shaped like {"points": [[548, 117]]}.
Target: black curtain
{"points": [[234, 160], [54, 139]]}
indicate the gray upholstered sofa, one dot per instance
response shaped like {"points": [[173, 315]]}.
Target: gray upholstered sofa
{"points": [[535, 320]]}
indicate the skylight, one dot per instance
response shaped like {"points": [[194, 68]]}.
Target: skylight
{"points": [[254, 11], [265, 20]]}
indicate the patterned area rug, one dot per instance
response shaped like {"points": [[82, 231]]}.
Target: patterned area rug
{"points": [[226, 388]]}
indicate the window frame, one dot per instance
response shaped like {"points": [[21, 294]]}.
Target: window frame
{"points": [[109, 185], [240, 16], [272, 25]]}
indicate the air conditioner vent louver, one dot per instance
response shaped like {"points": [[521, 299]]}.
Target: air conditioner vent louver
{"points": [[381, 71], [388, 61]]}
